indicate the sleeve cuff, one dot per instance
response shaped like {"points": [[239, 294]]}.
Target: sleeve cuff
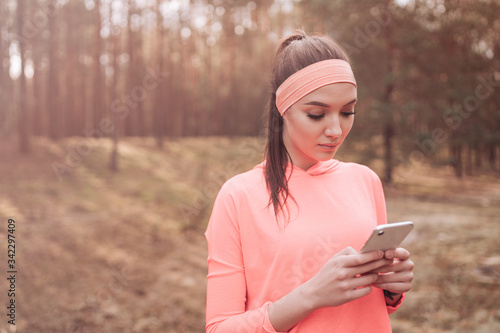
{"points": [[392, 308]]}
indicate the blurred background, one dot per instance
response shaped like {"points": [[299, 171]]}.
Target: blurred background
{"points": [[121, 119]]}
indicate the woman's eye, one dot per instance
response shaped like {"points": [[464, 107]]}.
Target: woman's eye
{"points": [[347, 114], [315, 116]]}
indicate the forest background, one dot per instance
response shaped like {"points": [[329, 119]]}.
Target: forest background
{"points": [[427, 71], [121, 118]]}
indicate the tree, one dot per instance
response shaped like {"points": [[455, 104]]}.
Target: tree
{"points": [[159, 109], [23, 119], [53, 93], [98, 77], [115, 49], [5, 80]]}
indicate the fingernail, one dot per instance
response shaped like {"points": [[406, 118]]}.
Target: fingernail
{"points": [[389, 254], [380, 254]]}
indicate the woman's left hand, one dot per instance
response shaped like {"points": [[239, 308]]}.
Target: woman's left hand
{"points": [[396, 277]]}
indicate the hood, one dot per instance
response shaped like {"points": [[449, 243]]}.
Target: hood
{"points": [[317, 169]]}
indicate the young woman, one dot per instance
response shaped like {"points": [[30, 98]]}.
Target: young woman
{"points": [[283, 237]]}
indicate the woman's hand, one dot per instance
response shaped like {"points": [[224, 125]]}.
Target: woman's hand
{"points": [[345, 277], [397, 276]]}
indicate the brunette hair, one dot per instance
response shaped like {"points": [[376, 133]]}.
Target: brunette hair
{"points": [[295, 52]]}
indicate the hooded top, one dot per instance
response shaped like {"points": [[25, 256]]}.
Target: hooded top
{"points": [[255, 258]]}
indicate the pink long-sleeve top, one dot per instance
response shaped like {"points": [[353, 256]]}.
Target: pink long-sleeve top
{"points": [[255, 259]]}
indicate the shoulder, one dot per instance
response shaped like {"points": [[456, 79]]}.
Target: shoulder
{"points": [[242, 192], [361, 175], [358, 170], [243, 183]]}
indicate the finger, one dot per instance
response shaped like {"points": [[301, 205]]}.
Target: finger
{"points": [[372, 267], [406, 276], [359, 259], [397, 266], [396, 287], [346, 251], [360, 292], [398, 253], [363, 281]]}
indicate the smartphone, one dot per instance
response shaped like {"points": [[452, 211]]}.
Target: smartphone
{"points": [[387, 236]]}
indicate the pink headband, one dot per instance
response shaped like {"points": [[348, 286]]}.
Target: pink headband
{"points": [[311, 78]]}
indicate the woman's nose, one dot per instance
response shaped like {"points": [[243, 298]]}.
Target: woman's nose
{"points": [[333, 128]]}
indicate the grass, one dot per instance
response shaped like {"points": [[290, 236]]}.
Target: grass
{"points": [[124, 252]]}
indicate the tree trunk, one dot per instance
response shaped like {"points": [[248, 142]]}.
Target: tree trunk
{"points": [[69, 77], [457, 160], [468, 162], [23, 120], [389, 88], [6, 83], [492, 156], [38, 122], [388, 135], [129, 120], [158, 107], [53, 86], [478, 156], [113, 162], [98, 78]]}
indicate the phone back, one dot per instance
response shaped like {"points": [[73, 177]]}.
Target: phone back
{"points": [[387, 236]]}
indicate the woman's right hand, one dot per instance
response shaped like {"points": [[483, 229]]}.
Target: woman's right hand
{"points": [[344, 278]]}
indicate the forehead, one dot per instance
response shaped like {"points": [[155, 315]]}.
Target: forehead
{"points": [[332, 94]]}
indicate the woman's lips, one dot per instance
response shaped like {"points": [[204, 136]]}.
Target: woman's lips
{"points": [[328, 146]]}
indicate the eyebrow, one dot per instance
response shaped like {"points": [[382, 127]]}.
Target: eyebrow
{"points": [[316, 103]]}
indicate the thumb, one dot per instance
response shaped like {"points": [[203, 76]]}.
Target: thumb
{"points": [[346, 251]]}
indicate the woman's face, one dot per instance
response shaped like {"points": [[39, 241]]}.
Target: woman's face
{"points": [[317, 124]]}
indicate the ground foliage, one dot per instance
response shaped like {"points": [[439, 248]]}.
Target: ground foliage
{"points": [[124, 252]]}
